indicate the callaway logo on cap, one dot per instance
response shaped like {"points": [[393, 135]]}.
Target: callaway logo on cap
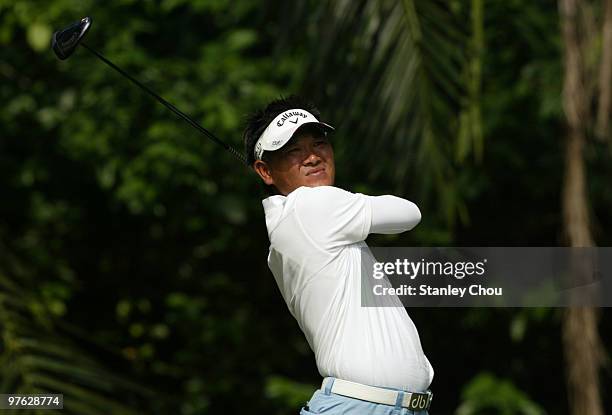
{"points": [[283, 127]]}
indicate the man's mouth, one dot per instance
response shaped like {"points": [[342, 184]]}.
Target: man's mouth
{"points": [[316, 172]]}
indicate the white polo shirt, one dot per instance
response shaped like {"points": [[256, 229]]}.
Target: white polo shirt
{"points": [[317, 238]]}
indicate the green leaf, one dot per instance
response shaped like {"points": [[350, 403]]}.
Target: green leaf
{"points": [[486, 394], [39, 36]]}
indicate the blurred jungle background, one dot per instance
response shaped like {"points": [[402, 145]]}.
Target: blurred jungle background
{"points": [[133, 275]]}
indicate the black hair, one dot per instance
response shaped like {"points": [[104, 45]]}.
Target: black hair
{"points": [[257, 122]]}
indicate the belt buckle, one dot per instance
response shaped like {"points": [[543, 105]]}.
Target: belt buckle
{"points": [[420, 401]]}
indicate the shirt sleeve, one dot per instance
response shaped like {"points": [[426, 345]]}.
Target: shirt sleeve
{"points": [[332, 216], [391, 214]]}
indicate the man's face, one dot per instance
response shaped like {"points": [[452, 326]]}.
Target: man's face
{"points": [[306, 160]]}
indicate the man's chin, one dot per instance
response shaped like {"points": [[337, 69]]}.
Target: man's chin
{"points": [[323, 181]]}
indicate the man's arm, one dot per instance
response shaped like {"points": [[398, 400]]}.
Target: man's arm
{"points": [[334, 217], [391, 214]]}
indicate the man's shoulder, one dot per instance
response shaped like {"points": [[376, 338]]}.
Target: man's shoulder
{"points": [[323, 202], [332, 216]]}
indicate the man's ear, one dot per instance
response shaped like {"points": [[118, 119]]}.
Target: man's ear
{"points": [[263, 170]]}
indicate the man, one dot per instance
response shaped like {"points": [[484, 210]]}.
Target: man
{"points": [[370, 357]]}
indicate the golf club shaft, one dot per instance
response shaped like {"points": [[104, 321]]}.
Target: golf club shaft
{"points": [[168, 105]]}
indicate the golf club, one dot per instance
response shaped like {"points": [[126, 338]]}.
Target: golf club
{"points": [[65, 41]]}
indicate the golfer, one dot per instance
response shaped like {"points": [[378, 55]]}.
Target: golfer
{"points": [[370, 358]]}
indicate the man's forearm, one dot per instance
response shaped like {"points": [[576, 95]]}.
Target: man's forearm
{"points": [[392, 214]]}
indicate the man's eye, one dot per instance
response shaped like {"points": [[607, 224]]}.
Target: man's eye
{"points": [[321, 142], [293, 150]]}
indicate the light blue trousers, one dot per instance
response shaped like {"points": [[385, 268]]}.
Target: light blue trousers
{"points": [[325, 402]]}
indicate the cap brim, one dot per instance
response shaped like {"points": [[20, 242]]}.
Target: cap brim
{"points": [[325, 127], [290, 133]]}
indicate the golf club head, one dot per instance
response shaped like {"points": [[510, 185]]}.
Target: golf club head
{"points": [[65, 41]]}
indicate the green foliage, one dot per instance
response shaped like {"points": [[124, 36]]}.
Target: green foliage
{"points": [[127, 217], [522, 319], [487, 394], [290, 393], [37, 358]]}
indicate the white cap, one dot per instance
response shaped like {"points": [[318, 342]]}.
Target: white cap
{"points": [[283, 127]]}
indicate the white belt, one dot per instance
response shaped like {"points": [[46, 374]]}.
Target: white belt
{"points": [[412, 400]]}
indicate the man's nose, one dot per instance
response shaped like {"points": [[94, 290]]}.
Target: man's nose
{"points": [[313, 157]]}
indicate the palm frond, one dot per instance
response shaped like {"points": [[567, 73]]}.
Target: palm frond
{"points": [[36, 358], [402, 82]]}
